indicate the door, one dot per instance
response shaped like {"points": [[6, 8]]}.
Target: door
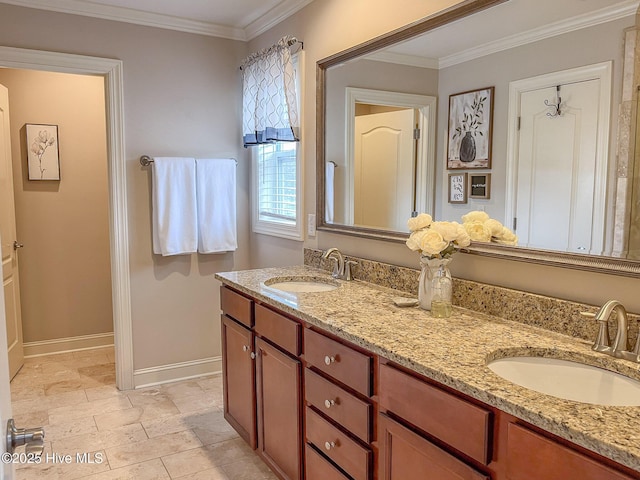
{"points": [[6, 469], [239, 379], [558, 170], [278, 379], [10, 277], [384, 159]]}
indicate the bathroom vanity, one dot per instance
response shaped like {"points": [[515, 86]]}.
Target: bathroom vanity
{"points": [[342, 384]]}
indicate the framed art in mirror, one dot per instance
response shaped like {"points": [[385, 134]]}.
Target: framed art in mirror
{"points": [[470, 129]]}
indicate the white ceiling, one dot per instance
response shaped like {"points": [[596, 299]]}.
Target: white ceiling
{"points": [[235, 19], [507, 25]]}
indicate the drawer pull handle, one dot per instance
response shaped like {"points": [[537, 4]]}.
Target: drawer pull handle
{"points": [[330, 445], [329, 360], [329, 403]]}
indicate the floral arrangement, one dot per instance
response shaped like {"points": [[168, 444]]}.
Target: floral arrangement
{"points": [[436, 239], [482, 228]]}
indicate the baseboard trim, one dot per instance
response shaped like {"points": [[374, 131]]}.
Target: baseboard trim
{"points": [[147, 377], [69, 344]]}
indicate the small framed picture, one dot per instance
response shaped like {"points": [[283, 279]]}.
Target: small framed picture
{"points": [[480, 185], [42, 152], [458, 187], [470, 129]]}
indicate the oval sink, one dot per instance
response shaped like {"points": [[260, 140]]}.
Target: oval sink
{"points": [[302, 284], [569, 380]]}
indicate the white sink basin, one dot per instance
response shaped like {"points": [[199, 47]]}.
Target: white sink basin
{"points": [[569, 380], [302, 284]]}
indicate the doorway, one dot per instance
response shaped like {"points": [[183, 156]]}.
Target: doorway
{"points": [[111, 71], [63, 224]]}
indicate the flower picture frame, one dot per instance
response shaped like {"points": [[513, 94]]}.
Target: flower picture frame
{"points": [[480, 185], [457, 188], [470, 129], [43, 156]]}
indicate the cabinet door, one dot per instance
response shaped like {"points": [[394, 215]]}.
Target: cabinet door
{"points": [[239, 379], [279, 410], [406, 455]]}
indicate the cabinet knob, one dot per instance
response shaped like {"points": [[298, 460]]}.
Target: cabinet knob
{"points": [[329, 403], [329, 360], [330, 445], [253, 355], [245, 348]]}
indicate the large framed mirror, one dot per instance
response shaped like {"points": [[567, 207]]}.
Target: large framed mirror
{"points": [[561, 73]]}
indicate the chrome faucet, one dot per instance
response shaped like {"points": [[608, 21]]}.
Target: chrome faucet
{"points": [[620, 346], [341, 268]]}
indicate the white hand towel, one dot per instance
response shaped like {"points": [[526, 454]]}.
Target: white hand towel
{"points": [[216, 192], [330, 170], [175, 227]]}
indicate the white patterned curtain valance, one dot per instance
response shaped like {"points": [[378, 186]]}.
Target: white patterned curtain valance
{"points": [[270, 110]]}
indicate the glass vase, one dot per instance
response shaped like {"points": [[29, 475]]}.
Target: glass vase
{"points": [[430, 267]]}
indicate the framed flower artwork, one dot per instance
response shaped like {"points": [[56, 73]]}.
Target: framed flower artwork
{"points": [[470, 129], [43, 156]]}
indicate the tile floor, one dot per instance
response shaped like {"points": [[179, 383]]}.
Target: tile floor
{"points": [[170, 431]]}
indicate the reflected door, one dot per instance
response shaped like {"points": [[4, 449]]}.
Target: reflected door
{"points": [[10, 276], [384, 159], [558, 171]]}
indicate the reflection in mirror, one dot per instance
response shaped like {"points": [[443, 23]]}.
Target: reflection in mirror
{"points": [[388, 159], [542, 39]]}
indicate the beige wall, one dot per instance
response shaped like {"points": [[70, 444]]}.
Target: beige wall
{"points": [[327, 27], [65, 278], [181, 97]]}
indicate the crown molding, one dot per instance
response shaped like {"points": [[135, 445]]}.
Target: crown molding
{"points": [[402, 59], [128, 15], [273, 17], [609, 14]]}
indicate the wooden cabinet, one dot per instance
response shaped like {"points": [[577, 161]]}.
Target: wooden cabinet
{"points": [[318, 408], [239, 379], [531, 456], [279, 402], [406, 455]]}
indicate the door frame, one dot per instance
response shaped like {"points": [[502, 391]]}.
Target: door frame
{"points": [[425, 168], [598, 71], [112, 71]]}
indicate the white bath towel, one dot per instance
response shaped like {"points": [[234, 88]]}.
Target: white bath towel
{"points": [[216, 192], [175, 227], [330, 170]]}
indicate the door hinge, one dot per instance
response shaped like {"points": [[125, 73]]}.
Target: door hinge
{"points": [[519, 119], [515, 223], [416, 134]]}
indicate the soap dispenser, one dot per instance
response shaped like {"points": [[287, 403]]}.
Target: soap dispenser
{"points": [[442, 292]]}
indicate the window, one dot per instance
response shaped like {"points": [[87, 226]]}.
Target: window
{"points": [[277, 182]]}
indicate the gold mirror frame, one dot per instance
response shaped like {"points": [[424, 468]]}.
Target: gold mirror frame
{"points": [[592, 263]]}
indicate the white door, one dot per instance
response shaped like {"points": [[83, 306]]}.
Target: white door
{"points": [[384, 157], [10, 279], [558, 169], [6, 469]]}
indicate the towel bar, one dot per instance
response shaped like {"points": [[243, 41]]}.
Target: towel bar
{"points": [[146, 160]]}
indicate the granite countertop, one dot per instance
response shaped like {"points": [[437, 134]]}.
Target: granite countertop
{"points": [[454, 351]]}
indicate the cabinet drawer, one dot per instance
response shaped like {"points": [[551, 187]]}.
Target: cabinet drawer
{"points": [[318, 468], [404, 453], [345, 452], [461, 424], [531, 456], [236, 306], [278, 328], [339, 405], [339, 361]]}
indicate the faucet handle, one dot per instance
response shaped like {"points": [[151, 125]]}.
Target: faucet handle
{"points": [[347, 269], [603, 342]]}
